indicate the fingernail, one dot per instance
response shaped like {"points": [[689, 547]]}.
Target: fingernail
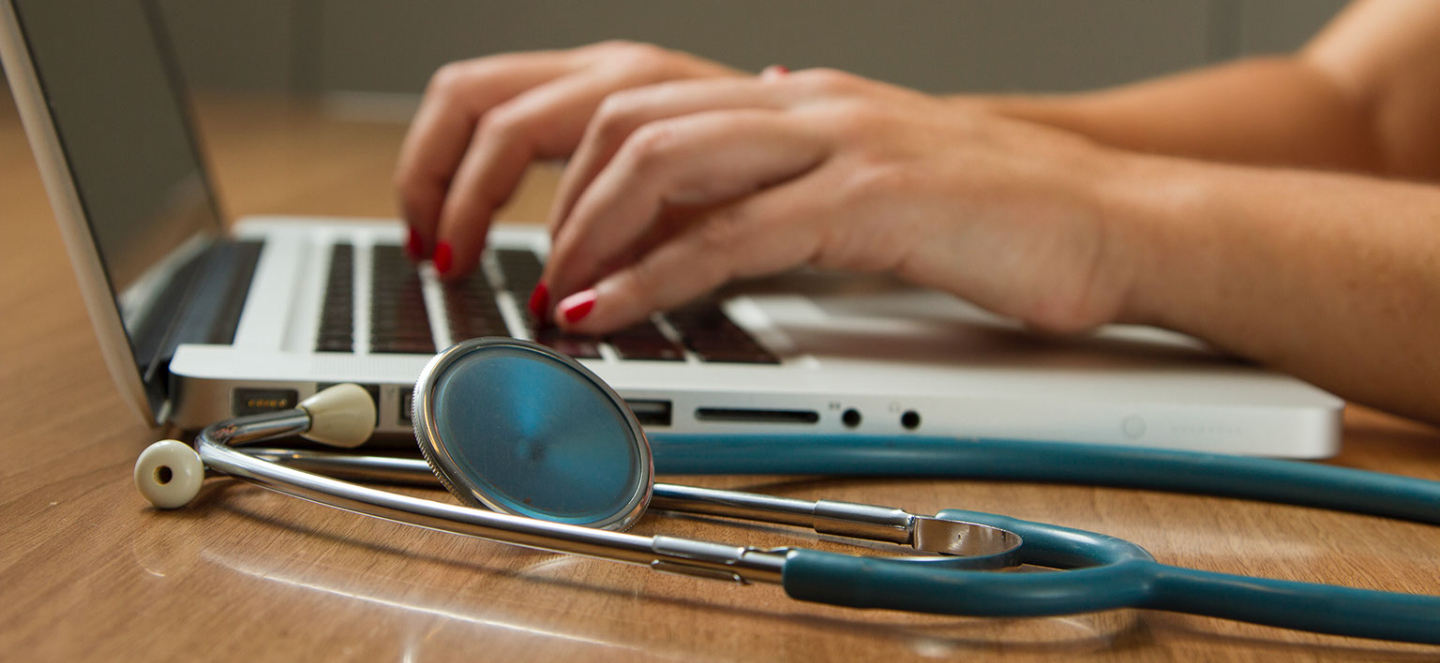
{"points": [[774, 71], [539, 301], [577, 306], [412, 245], [442, 257]]}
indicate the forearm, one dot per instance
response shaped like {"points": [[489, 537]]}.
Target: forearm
{"points": [[1333, 278], [1272, 111]]}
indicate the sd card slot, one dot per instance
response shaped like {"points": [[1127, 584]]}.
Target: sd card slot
{"points": [[756, 416]]}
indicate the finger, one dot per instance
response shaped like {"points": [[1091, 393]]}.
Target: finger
{"points": [[544, 122], [458, 95], [696, 160], [622, 113], [755, 236]]}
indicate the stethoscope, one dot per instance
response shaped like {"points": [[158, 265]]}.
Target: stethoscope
{"points": [[544, 454]]}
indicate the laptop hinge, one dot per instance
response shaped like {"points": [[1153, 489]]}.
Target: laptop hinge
{"points": [[204, 306]]}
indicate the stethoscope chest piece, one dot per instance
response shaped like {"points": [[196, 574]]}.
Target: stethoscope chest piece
{"points": [[522, 429]]}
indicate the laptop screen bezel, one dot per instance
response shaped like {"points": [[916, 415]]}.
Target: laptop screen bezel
{"points": [[149, 401]]}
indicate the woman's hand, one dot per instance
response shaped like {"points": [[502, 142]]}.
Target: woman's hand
{"points": [[483, 121], [679, 187]]}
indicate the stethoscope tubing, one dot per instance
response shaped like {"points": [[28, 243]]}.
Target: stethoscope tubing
{"points": [[1119, 577], [1107, 573], [1249, 478], [1122, 577]]}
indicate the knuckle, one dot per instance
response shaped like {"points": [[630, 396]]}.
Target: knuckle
{"points": [[650, 146], [615, 116], [503, 124], [722, 231], [854, 119], [830, 80], [614, 45], [448, 80], [639, 283], [644, 61]]}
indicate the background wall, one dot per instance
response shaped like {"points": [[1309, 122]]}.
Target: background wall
{"points": [[309, 46]]}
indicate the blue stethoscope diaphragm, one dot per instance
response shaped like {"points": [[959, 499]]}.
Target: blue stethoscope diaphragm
{"points": [[522, 429]]}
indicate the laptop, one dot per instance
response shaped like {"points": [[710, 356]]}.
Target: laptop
{"points": [[200, 320]]}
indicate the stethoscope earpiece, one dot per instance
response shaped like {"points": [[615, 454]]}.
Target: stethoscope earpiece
{"points": [[169, 474]]}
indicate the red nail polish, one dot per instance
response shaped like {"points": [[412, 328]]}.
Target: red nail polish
{"points": [[540, 301], [577, 306], [774, 71], [442, 257], [412, 245]]}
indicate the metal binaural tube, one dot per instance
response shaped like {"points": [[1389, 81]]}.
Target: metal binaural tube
{"points": [[699, 558], [937, 536]]}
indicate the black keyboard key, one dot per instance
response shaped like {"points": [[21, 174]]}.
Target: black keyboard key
{"points": [[471, 309], [521, 269], [402, 346], [579, 347], [399, 322], [645, 341], [711, 335], [736, 355], [337, 308]]}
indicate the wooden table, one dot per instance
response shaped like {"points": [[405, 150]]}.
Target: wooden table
{"points": [[89, 571]]}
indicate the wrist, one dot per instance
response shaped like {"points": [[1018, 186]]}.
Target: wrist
{"points": [[1151, 206]]}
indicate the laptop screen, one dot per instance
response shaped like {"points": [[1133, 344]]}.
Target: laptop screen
{"points": [[121, 120], [122, 125]]}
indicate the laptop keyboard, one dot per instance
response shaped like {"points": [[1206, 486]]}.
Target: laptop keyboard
{"points": [[399, 322], [337, 312]]}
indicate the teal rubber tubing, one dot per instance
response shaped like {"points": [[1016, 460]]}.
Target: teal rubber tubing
{"points": [[1110, 573], [879, 583], [1263, 479]]}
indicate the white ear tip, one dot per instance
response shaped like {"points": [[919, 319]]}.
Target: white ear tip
{"points": [[169, 474], [341, 416]]}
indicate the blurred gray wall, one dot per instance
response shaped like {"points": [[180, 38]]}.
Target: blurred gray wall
{"points": [[936, 45]]}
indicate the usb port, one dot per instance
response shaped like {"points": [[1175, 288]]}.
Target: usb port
{"points": [[650, 412], [407, 400]]}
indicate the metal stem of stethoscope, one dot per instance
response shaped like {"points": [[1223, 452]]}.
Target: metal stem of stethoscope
{"points": [[948, 542], [671, 554], [847, 519]]}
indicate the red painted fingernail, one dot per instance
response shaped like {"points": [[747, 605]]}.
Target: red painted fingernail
{"points": [[578, 305], [412, 245], [774, 70], [442, 257], [540, 301]]}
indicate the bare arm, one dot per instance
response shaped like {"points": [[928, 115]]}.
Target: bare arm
{"points": [[1362, 96], [1333, 278]]}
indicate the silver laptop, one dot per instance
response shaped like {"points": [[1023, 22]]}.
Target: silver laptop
{"points": [[198, 324]]}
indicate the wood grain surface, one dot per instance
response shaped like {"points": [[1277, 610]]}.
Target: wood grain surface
{"points": [[88, 571]]}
